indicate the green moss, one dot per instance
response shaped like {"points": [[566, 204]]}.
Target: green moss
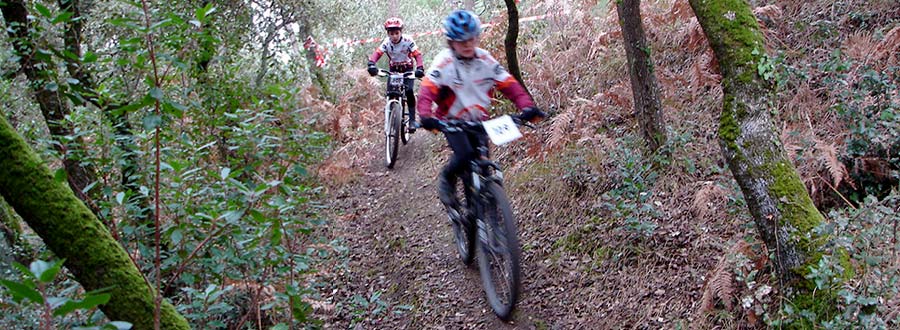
{"points": [[729, 129], [733, 33], [796, 207]]}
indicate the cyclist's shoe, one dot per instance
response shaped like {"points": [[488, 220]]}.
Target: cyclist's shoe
{"points": [[412, 126]]}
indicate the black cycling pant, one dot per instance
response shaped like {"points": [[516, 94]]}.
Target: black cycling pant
{"points": [[411, 99], [464, 146]]}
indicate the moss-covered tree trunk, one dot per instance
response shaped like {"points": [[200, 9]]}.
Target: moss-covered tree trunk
{"points": [[39, 68], [511, 42], [778, 201], [72, 232], [643, 81]]}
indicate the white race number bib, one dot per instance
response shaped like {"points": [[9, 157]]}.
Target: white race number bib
{"points": [[502, 130]]}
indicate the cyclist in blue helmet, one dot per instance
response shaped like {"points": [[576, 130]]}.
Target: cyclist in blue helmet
{"points": [[461, 80]]}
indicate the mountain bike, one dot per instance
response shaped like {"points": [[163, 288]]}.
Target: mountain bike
{"points": [[396, 116], [485, 225]]}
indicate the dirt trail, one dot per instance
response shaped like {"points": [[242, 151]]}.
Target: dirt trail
{"points": [[400, 243]]}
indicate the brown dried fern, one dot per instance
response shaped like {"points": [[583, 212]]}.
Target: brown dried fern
{"points": [[720, 285], [560, 128], [827, 153], [858, 46], [705, 198], [889, 48]]}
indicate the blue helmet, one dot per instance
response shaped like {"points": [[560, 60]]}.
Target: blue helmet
{"points": [[461, 25]]}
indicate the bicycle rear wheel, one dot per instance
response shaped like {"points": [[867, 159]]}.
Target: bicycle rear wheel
{"points": [[498, 252], [392, 139]]}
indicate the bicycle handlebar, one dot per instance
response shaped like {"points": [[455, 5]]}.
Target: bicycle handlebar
{"points": [[406, 75], [454, 125]]}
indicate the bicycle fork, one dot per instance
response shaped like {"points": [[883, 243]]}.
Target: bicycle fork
{"points": [[387, 115]]}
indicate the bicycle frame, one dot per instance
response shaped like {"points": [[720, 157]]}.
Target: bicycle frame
{"points": [[481, 171]]}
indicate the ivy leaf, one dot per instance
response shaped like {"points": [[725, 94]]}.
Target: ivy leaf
{"points": [[20, 291], [120, 197], [89, 57], [65, 16], [203, 13], [117, 325], [43, 10], [45, 271], [151, 122], [176, 236], [157, 94], [174, 108], [147, 101]]}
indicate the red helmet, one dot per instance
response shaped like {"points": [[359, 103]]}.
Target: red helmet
{"points": [[393, 23]]}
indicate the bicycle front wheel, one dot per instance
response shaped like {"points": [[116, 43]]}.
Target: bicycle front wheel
{"points": [[498, 252], [463, 225], [392, 134], [404, 135]]}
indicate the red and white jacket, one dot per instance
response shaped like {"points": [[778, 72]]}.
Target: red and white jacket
{"points": [[400, 55], [462, 88]]}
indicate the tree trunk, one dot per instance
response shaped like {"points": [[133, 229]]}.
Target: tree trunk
{"points": [[39, 70], [512, 35], [72, 232], [640, 67], [778, 201]]}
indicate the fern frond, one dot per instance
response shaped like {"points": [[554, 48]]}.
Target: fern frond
{"points": [[705, 197], [889, 48], [828, 154], [560, 128], [721, 285]]}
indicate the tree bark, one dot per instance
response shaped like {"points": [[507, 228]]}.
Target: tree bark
{"points": [[512, 35], [643, 80], [778, 201], [38, 68], [72, 232]]}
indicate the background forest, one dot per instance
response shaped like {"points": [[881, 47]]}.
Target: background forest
{"points": [[244, 182]]}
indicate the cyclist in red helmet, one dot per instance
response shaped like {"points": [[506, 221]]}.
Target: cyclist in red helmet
{"points": [[403, 55]]}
